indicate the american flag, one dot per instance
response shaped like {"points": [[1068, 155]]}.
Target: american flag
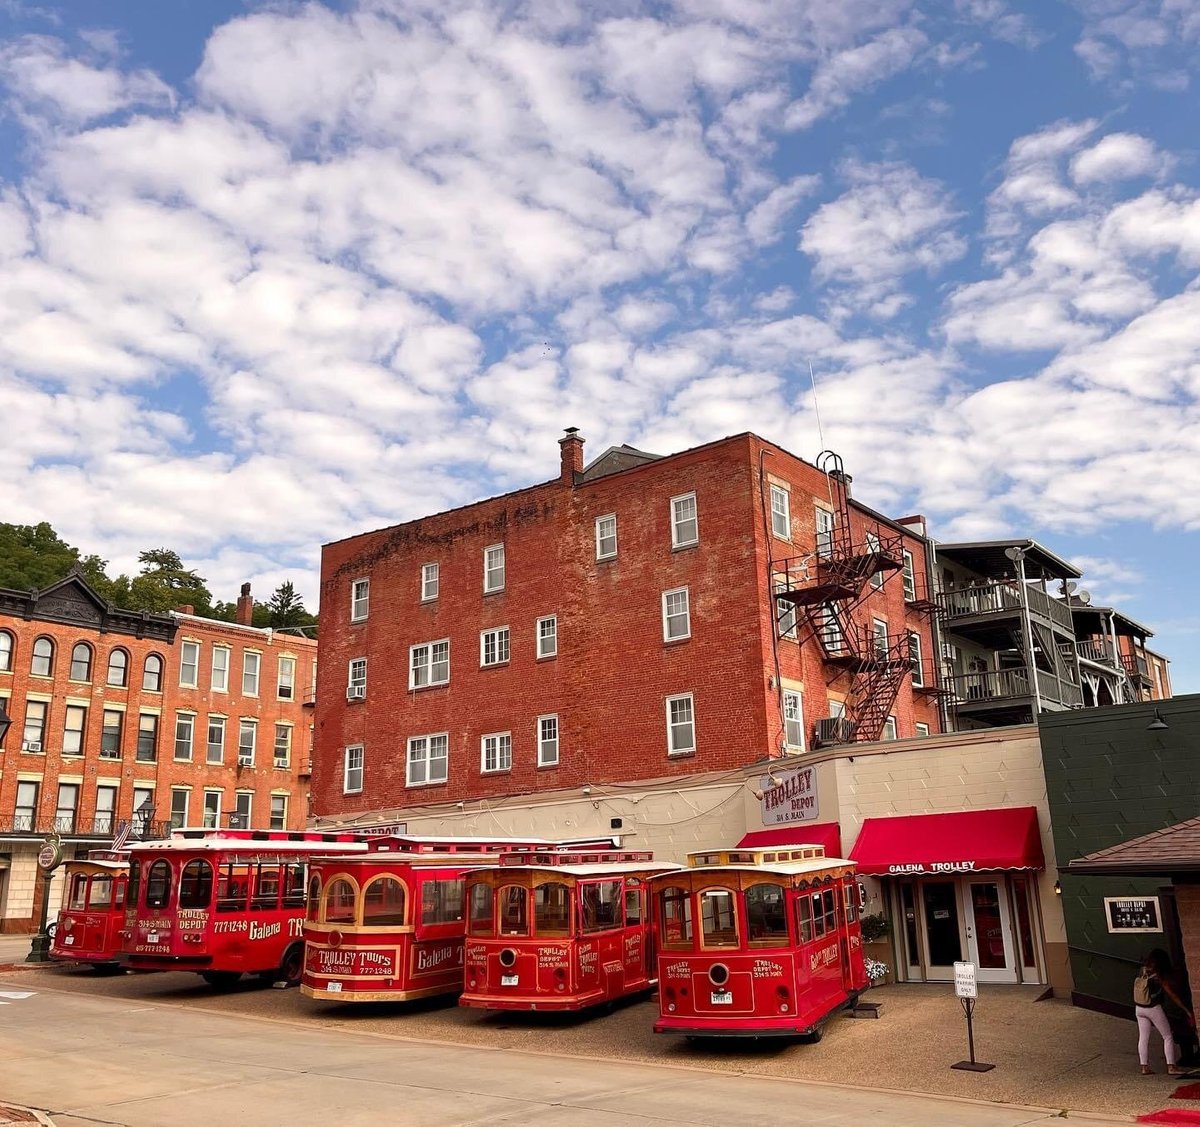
{"points": [[122, 834]]}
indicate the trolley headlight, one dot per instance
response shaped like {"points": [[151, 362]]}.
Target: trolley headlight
{"points": [[508, 958], [68, 924], [335, 939], [718, 974]]}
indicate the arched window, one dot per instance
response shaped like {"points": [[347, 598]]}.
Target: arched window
{"points": [[6, 652], [158, 884], [514, 909], [195, 884], [81, 662], [675, 912], [383, 903], [43, 658], [118, 669], [718, 918], [479, 909], [152, 675], [100, 892], [552, 910], [766, 915], [314, 898], [339, 902]]}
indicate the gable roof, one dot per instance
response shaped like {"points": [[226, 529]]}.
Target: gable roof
{"points": [[72, 601], [1165, 852], [614, 460]]}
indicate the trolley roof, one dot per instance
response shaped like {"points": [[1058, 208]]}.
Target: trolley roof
{"points": [[792, 860], [88, 863], [221, 844], [597, 869]]}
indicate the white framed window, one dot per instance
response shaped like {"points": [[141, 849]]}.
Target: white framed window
{"points": [[179, 807], [495, 752], [285, 686], [908, 576], [283, 745], [547, 636], [831, 629], [74, 727], [685, 522], [494, 646], [547, 741], [216, 740], [914, 654], [212, 809], [922, 729], [793, 719], [889, 728], [185, 735], [360, 599], [879, 637], [787, 614], [606, 537], [823, 520], [279, 811], [247, 739], [493, 568], [429, 664], [428, 759], [243, 804], [681, 725], [251, 662], [356, 678], [430, 582], [352, 770], [781, 512], [220, 669], [189, 663], [676, 615], [873, 548]]}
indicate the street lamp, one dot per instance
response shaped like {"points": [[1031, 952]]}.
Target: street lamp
{"points": [[50, 856]]}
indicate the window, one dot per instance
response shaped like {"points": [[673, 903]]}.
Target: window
{"points": [[383, 903], [547, 741], [247, 738], [118, 669], [279, 805], [147, 741], [600, 905], [243, 804], [788, 618], [212, 809], [339, 902], [718, 918], [81, 662], [442, 901], [675, 914], [68, 803], [42, 664], [908, 577], [430, 582], [479, 909], [356, 683], [879, 632], [685, 527], [25, 815], [73, 727], [360, 599], [110, 734], [681, 725], [106, 809], [152, 673], [889, 728], [873, 549], [179, 807], [493, 569], [286, 686], [831, 629], [429, 664], [220, 669], [496, 752], [158, 884], [6, 652], [793, 719], [606, 537], [922, 729], [547, 636], [552, 910], [514, 910], [428, 759], [283, 745], [34, 737], [195, 882], [677, 619], [493, 646], [216, 740], [824, 525], [189, 664], [781, 513], [143, 809], [352, 770], [633, 907], [766, 915], [914, 656], [250, 663]]}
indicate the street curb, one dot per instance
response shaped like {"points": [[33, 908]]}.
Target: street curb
{"points": [[26, 1115]]}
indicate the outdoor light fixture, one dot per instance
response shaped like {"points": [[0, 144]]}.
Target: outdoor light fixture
{"points": [[1057, 888], [5, 721], [774, 780], [586, 789], [1158, 724]]}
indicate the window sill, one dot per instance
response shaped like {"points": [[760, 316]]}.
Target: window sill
{"points": [[496, 664], [358, 621], [685, 547], [424, 688], [497, 591], [677, 641], [688, 754], [607, 559], [548, 766], [422, 786], [357, 791], [428, 600], [547, 657], [496, 771], [180, 759]]}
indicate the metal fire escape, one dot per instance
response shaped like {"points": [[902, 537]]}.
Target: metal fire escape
{"points": [[827, 588]]}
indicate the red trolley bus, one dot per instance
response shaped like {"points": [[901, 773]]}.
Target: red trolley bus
{"points": [[387, 925], [223, 903], [757, 942], [559, 931], [89, 926]]}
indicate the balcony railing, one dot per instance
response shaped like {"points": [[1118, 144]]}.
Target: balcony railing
{"points": [[996, 598], [1008, 684], [1092, 649], [1136, 666], [68, 825]]}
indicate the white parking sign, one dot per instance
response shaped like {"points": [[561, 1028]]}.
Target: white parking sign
{"points": [[964, 980]]}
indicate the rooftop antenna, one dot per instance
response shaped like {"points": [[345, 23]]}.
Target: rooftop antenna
{"points": [[812, 378]]}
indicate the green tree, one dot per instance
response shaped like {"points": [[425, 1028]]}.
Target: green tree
{"points": [[164, 584], [35, 556], [286, 607]]}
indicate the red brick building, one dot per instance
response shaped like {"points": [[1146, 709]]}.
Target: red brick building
{"points": [[152, 719], [640, 617]]}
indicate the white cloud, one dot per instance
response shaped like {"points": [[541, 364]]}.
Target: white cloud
{"points": [[1119, 156]]}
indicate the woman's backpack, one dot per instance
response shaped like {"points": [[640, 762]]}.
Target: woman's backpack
{"points": [[1146, 990]]}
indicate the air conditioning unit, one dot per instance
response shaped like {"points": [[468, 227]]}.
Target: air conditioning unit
{"points": [[245, 760], [356, 692], [31, 745], [835, 730]]}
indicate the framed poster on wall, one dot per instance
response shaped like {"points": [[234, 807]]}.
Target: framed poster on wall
{"points": [[1132, 914]]}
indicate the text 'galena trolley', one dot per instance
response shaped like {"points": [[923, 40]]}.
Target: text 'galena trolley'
{"points": [[757, 942], [559, 931]]}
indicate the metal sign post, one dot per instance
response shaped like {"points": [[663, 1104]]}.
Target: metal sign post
{"points": [[50, 856], [967, 991]]}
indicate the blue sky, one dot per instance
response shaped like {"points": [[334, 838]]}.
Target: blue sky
{"points": [[271, 274]]}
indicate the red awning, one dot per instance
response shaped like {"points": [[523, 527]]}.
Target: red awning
{"points": [[828, 834], [966, 841]]}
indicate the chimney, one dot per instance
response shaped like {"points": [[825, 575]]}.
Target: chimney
{"points": [[187, 608], [572, 455], [245, 607], [844, 478]]}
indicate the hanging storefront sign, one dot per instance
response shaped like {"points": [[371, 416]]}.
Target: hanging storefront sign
{"points": [[791, 798], [1125, 914]]}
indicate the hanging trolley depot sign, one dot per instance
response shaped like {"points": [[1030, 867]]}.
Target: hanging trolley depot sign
{"points": [[793, 799], [50, 856], [1126, 914]]}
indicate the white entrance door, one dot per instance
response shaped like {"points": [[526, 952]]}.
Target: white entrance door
{"points": [[988, 929]]}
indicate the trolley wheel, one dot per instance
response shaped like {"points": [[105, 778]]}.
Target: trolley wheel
{"points": [[291, 966], [221, 979], [813, 1037]]}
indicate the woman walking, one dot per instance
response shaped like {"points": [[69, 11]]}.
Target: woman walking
{"points": [[1151, 984]]}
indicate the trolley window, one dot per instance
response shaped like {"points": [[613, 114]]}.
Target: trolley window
{"points": [[552, 910], [633, 907], [479, 909], [383, 903], [829, 910], [78, 897], [442, 901], [266, 887], [293, 886], [851, 894], [339, 902], [600, 900], [675, 911], [233, 887], [804, 917], [314, 898], [158, 884], [196, 884], [718, 918], [766, 916], [514, 910], [100, 892], [132, 888]]}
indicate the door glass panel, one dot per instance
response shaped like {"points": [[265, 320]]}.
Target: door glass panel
{"points": [[989, 926], [941, 923], [1024, 921], [912, 950]]}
